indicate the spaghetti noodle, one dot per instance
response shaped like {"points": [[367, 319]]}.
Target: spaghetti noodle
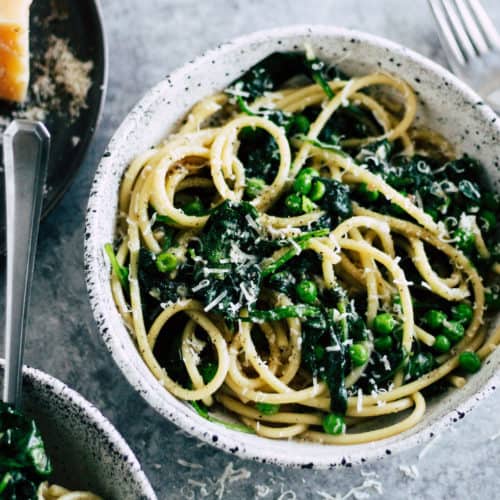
{"points": [[55, 492], [303, 257]]}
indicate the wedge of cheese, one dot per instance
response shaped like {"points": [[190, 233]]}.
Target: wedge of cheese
{"points": [[14, 49]]}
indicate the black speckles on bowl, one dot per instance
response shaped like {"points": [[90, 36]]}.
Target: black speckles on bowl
{"points": [[86, 450]]}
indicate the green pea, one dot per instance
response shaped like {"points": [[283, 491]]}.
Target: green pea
{"points": [[194, 207], [208, 371], [293, 203], [307, 205], [254, 186], [435, 318], [166, 262], [302, 184], [301, 124], [307, 291], [462, 312], [469, 361], [384, 323], [334, 424], [367, 193], [383, 344], [303, 181], [359, 354], [318, 190], [453, 330], [487, 220], [442, 344], [267, 408], [464, 240]]}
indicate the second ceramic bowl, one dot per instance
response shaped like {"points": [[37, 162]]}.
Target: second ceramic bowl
{"points": [[86, 451]]}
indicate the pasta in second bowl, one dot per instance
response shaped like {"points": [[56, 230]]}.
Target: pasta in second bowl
{"points": [[296, 283]]}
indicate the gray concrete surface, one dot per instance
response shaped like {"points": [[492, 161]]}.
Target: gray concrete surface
{"points": [[147, 39]]}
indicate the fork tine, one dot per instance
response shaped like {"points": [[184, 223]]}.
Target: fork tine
{"points": [[459, 30], [485, 23], [472, 27], [445, 33]]}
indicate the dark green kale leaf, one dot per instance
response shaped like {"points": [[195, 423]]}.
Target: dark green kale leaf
{"points": [[229, 260], [154, 283], [259, 154], [350, 121], [270, 73], [24, 463], [337, 201], [464, 167], [258, 150], [228, 229], [382, 368], [274, 70], [283, 281], [14, 485], [318, 333], [156, 287]]}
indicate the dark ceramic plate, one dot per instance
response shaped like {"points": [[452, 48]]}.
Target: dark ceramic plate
{"points": [[79, 23]]}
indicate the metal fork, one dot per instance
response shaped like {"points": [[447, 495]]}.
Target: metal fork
{"points": [[472, 45]]}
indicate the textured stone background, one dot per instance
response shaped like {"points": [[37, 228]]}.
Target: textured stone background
{"points": [[148, 39]]}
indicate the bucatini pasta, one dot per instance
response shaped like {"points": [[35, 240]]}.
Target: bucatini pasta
{"points": [[302, 256]]}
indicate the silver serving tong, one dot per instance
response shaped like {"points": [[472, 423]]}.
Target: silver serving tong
{"points": [[26, 151]]}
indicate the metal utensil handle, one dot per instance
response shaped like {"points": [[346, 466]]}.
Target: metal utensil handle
{"points": [[26, 149]]}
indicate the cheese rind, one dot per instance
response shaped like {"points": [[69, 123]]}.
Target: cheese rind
{"points": [[14, 49]]}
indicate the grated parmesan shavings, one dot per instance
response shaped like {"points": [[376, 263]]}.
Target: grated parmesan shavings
{"points": [[410, 471]]}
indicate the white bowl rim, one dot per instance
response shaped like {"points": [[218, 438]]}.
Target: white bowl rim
{"points": [[186, 419], [93, 415]]}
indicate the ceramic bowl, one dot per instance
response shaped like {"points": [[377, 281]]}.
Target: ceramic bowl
{"points": [[87, 452], [446, 104]]}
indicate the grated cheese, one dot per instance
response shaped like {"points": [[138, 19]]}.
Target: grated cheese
{"points": [[262, 490], [428, 446], [386, 363], [200, 285], [61, 72], [287, 495], [359, 402], [410, 471], [214, 302], [360, 492], [495, 436], [296, 246], [211, 270], [230, 475], [425, 285], [190, 465]]}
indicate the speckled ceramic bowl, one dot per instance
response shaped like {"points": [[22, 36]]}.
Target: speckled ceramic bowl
{"points": [[87, 452], [447, 105]]}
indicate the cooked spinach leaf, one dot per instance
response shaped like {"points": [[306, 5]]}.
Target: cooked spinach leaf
{"points": [[274, 70], [24, 463]]}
